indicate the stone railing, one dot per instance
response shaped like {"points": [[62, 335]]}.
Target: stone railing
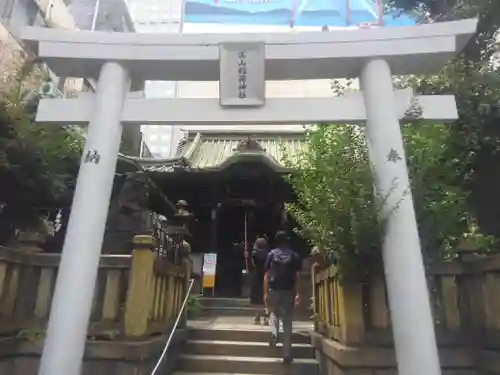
{"points": [[137, 298], [156, 290], [353, 324]]}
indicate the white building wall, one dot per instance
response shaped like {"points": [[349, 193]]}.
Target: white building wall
{"points": [[110, 15], [158, 16]]}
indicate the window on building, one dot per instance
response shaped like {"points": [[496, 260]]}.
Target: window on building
{"points": [[153, 148], [165, 151], [152, 138]]}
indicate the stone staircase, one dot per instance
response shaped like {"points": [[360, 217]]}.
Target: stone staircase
{"points": [[223, 340], [216, 307], [243, 351], [234, 307]]}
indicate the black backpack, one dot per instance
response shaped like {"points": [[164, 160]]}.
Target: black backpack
{"points": [[283, 269]]}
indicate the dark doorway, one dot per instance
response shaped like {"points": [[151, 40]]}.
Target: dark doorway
{"points": [[261, 221], [230, 251]]}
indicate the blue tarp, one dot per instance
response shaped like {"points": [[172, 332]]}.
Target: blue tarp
{"points": [[282, 12]]}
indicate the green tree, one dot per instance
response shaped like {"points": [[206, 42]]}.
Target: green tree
{"points": [[336, 208], [483, 45], [473, 78], [38, 163], [474, 139]]}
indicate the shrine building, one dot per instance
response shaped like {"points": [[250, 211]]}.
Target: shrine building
{"points": [[234, 186]]}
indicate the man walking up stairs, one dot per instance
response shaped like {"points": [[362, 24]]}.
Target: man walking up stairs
{"points": [[281, 284], [223, 342], [242, 348]]}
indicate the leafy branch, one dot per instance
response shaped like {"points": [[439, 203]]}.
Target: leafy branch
{"points": [[38, 163]]}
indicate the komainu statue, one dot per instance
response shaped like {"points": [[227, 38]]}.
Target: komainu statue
{"points": [[128, 215]]}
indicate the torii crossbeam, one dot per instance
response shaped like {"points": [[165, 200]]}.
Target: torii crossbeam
{"points": [[348, 109]]}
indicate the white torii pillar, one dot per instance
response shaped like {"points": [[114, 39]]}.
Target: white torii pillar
{"points": [[411, 315], [71, 306]]}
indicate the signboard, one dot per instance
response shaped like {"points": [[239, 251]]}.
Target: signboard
{"points": [[209, 269], [312, 13], [242, 80]]}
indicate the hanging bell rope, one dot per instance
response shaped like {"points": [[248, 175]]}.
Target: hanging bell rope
{"points": [[246, 244]]}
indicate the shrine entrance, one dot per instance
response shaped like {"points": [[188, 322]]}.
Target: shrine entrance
{"points": [[242, 63], [236, 195], [244, 215]]}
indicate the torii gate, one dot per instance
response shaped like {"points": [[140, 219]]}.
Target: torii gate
{"points": [[242, 63]]}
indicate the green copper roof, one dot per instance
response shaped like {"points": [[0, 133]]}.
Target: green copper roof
{"points": [[214, 150], [209, 150]]}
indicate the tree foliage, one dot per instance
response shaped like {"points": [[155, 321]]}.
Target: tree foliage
{"points": [[483, 44], [38, 164], [473, 77], [336, 208], [474, 139]]}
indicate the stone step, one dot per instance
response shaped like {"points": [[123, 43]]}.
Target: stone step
{"points": [[245, 365], [246, 349], [257, 335], [216, 307], [217, 311], [211, 302], [249, 311]]}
